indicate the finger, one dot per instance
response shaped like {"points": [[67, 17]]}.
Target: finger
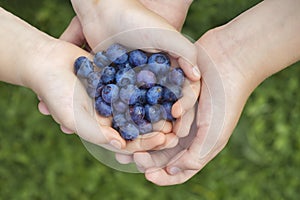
{"points": [[190, 94], [143, 159], [162, 126], [86, 123], [43, 108], [151, 38], [171, 141], [183, 124], [146, 142], [73, 33], [124, 158], [66, 130], [160, 177], [156, 159]]}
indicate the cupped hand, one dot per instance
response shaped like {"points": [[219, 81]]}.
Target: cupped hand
{"points": [[64, 97], [224, 91], [79, 31]]}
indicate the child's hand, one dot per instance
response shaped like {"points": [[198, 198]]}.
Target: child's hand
{"points": [[137, 24]]}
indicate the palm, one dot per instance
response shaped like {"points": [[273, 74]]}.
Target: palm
{"points": [[224, 92]]}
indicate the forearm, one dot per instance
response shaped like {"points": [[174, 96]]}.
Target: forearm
{"points": [[20, 46], [265, 39], [173, 11]]}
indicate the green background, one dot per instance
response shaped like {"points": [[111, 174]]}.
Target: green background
{"points": [[261, 160]]}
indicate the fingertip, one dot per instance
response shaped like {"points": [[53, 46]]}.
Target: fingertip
{"points": [[177, 109], [191, 71], [43, 108], [66, 130], [124, 159]]}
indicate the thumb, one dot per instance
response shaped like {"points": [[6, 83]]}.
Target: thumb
{"points": [[73, 33]]}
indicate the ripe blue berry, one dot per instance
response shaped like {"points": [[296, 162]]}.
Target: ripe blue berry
{"points": [[119, 120], [100, 60], [117, 54], [159, 63], [166, 110], [162, 80], [83, 67], [169, 95], [137, 58], [153, 113], [138, 97], [110, 93], [176, 90], [155, 95], [137, 114], [108, 75], [102, 108], [145, 127], [129, 131], [126, 93], [92, 92], [146, 79], [119, 107], [125, 76], [94, 79], [176, 76]]}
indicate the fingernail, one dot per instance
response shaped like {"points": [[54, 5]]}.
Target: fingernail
{"points": [[196, 71], [174, 170], [115, 144]]}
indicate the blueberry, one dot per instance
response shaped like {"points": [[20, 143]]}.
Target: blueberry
{"points": [[110, 93], [102, 108], [119, 107], [137, 113], [119, 120], [83, 67], [117, 54], [169, 95], [138, 97], [176, 76], [108, 75], [129, 131], [125, 76], [126, 93], [92, 92], [100, 60], [98, 90], [123, 65], [155, 95], [159, 63], [162, 80], [153, 113], [94, 79], [137, 58], [146, 79], [176, 90], [166, 110], [145, 127]]}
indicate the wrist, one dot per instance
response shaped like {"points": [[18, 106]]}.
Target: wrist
{"points": [[20, 45]]}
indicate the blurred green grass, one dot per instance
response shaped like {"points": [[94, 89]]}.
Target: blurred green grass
{"points": [[261, 160]]}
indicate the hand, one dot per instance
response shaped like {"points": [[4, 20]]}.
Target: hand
{"points": [[223, 95], [90, 36], [45, 65], [233, 62]]}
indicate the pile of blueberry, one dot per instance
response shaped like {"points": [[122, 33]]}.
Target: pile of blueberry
{"points": [[134, 87]]}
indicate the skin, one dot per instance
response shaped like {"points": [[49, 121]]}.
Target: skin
{"points": [[234, 59], [44, 65], [82, 29]]}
